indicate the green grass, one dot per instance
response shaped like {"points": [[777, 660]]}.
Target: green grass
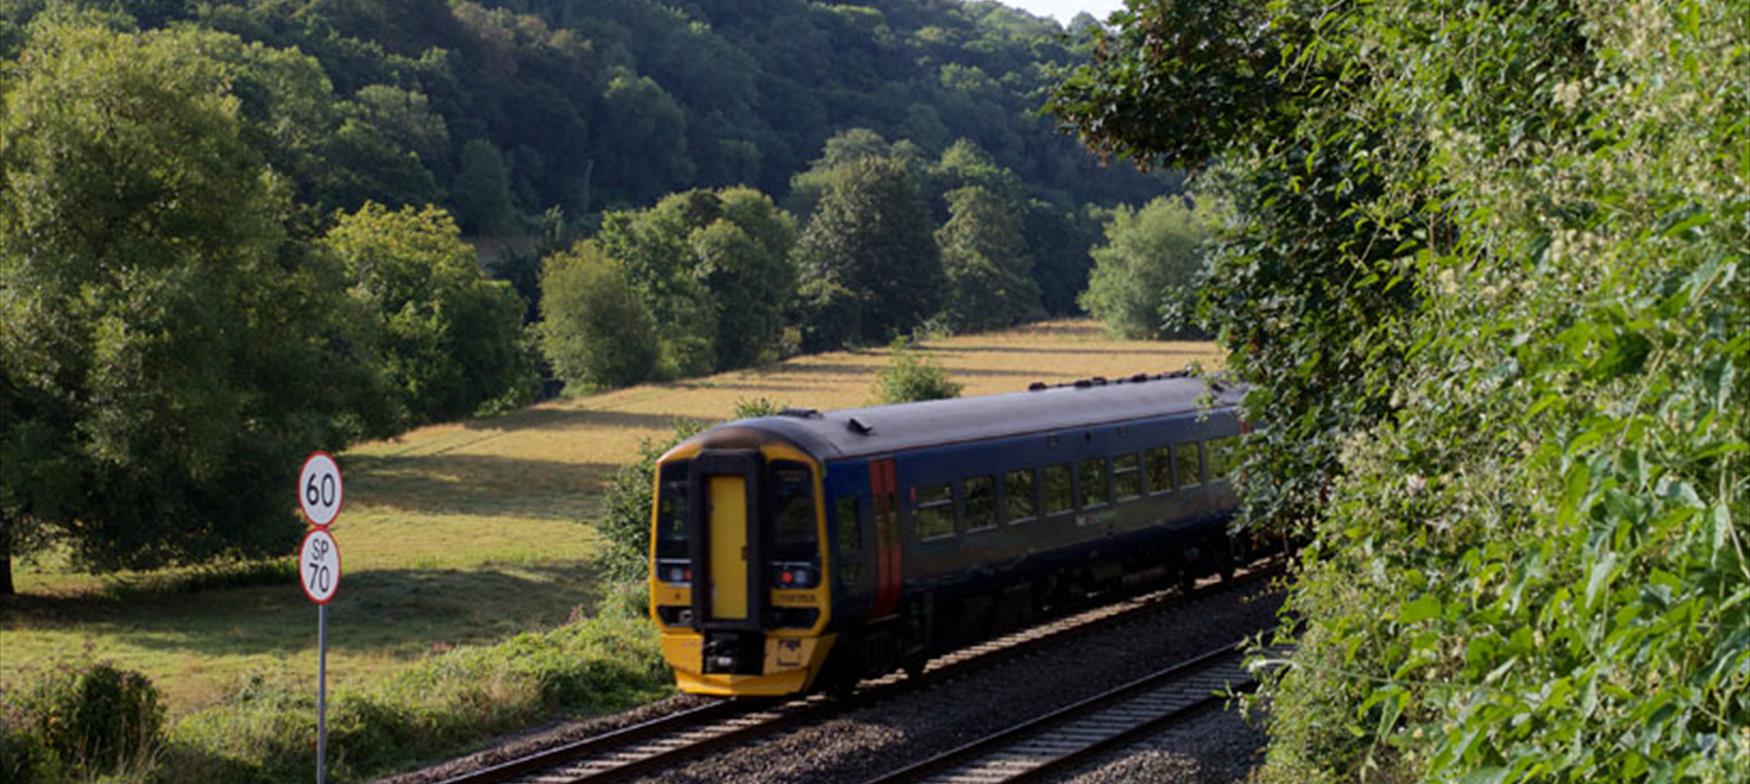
{"points": [[467, 533]]}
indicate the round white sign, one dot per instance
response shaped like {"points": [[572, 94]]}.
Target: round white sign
{"points": [[320, 492], [319, 566]]}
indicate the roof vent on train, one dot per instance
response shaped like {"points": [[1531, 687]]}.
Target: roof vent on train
{"points": [[800, 413], [857, 426]]}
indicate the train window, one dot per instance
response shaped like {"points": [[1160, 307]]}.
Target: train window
{"points": [[1018, 500], [847, 516], [849, 524], [1127, 476], [1094, 482], [1160, 469], [981, 503], [1188, 463], [1059, 495], [1220, 454], [793, 523], [671, 512], [934, 513]]}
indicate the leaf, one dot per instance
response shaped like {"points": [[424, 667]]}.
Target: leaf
{"points": [[1600, 576], [1424, 607]]}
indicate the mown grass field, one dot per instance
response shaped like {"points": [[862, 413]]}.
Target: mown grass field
{"points": [[468, 532]]}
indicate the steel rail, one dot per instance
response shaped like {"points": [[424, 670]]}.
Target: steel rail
{"points": [[1075, 732]]}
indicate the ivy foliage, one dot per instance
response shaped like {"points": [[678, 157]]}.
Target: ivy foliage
{"points": [[1488, 277]]}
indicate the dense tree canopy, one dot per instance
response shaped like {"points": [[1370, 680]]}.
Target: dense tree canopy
{"points": [[167, 353], [868, 258], [613, 104], [450, 334]]}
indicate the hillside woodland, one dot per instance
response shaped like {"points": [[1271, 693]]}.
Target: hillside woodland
{"points": [[232, 232]]}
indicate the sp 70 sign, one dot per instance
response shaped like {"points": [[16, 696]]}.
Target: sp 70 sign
{"points": [[319, 566]]}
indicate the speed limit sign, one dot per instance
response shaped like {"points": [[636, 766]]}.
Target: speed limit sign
{"points": [[319, 566], [320, 492]]}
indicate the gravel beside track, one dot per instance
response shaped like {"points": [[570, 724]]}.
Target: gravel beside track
{"points": [[1216, 747], [869, 740]]}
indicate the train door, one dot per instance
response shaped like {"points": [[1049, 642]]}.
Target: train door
{"points": [[726, 544], [884, 492]]}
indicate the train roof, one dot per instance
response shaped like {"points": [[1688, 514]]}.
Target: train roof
{"points": [[874, 430]]}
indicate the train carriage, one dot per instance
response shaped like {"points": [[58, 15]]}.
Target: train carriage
{"points": [[812, 549]]}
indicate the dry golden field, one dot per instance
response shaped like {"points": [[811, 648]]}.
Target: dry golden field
{"points": [[469, 532]]}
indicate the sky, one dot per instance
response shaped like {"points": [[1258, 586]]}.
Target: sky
{"points": [[1065, 10]]}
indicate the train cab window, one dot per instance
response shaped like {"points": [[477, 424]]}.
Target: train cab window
{"points": [[1018, 500], [1160, 469], [671, 512], [980, 503], [1188, 463], [1094, 482], [793, 523], [847, 517], [1127, 476], [934, 513], [1059, 494]]}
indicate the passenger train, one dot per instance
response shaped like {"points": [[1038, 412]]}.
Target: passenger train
{"points": [[809, 550]]}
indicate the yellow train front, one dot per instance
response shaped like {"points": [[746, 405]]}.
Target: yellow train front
{"points": [[809, 550]]}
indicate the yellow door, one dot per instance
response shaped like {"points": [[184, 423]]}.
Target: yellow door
{"points": [[728, 541]]}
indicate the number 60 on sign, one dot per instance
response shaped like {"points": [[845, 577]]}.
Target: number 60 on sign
{"points": [[319, 566]]}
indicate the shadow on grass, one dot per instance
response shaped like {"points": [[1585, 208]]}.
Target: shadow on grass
{"points": [[477, 485], [551, 417], [1162, 352], [870, 370], [397, 613]]}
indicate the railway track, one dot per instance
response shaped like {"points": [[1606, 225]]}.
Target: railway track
{"points": [[1075, 733], [666, 741]]}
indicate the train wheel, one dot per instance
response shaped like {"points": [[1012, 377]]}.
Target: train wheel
{"points": [[842, 687], [1225, 559], [1188, 563], [914, 666]]}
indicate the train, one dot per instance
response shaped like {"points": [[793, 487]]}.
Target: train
{"points": [[808, 550]]}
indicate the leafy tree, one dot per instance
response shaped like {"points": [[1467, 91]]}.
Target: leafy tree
{"points": [[595, 330], [1148, 266], [871, 238], [481, 191], [167, 354], [642, 141], [990, 274], [452, 336], [909, 378], [715, 270]]}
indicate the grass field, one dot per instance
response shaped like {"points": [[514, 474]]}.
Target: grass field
{"points": [[468, 532]]}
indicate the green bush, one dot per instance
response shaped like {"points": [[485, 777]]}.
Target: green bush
{"points": [[1488, 282], [88, 719], [909, 377], [24, 757]]}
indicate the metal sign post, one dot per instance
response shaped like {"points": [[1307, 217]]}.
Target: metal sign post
{"points": [[320, 496]]}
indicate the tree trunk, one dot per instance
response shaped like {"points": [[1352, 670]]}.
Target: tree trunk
{"points": [[6, 588]]}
